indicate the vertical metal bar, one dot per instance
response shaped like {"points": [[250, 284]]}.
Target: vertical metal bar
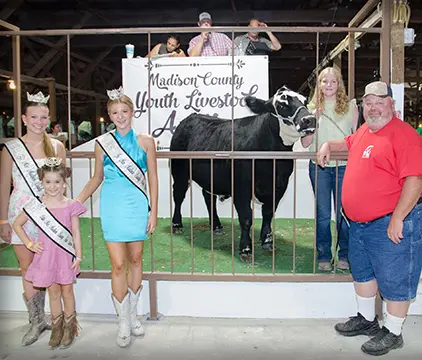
{"points": [[294, 212], [71, 176], [317, 144], [253, 216], [171, 234], [336, 233], [232, 145], [232, 161], [149, 85], [232, 212], [69, 102], [17, 103], [191, 218], [153, 307], [273, 220], [171, 209], [91, 205], [212, 216]]}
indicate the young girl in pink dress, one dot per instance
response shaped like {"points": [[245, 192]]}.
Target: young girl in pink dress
{"points": [[54, 267]]}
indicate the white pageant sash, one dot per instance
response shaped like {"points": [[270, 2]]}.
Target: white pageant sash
{"points": [[26, 165], [50, 226], [123, 161]]}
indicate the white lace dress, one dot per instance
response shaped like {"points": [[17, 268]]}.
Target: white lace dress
{"points": [[20, 196]]}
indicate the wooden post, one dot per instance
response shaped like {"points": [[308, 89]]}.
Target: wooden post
{"points": [[351, 71], [52, 100], [97, 130], [397, 48], [418, 92], [397, 66], [385, 41], [17, 102]]}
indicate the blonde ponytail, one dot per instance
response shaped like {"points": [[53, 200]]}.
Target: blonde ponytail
{"points": [[48, 146]]}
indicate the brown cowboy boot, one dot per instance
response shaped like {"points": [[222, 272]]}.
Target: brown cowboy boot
{"points": [[57, 332], [36, 319], [70, 327]]}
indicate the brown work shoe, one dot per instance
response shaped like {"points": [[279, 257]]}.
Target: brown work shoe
{"points": [[70, 327], [56, 331]]}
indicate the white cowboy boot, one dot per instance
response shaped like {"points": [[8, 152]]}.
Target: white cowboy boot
{"points": [[137, 328], [123, 312]]}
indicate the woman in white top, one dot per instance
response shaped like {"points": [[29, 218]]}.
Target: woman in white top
{"points": [[18, 155], [337, 118]]}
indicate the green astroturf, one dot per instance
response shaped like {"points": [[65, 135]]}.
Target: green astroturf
{"points": [[175, 253]]}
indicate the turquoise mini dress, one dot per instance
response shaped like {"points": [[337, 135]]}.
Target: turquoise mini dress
{"points": [[123, 207]]}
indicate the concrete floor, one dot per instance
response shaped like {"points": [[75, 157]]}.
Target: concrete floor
{"points": [[203, 339]]}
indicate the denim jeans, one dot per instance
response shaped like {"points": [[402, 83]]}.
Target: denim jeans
{"points": [[327, 189], [396, 267]]}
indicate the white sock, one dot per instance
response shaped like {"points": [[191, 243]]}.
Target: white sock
{"points": [[366, 307], [394, 324]]}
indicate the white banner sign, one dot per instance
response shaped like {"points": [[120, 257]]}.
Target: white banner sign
{"points": [[182, 86]]}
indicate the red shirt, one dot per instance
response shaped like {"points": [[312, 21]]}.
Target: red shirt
{"points": [[377, 166]]}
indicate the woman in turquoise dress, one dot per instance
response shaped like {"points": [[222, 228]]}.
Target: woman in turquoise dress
{"points": [[127, 215]]}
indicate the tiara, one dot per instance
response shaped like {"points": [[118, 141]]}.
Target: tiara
{"points": [[37, 98], [53, 161], [116, 93]]}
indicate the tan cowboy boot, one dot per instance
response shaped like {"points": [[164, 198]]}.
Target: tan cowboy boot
{"points": [[36, 319], [123, 312], [47, 319], [70, 328], [137, 328], [57, 331]]}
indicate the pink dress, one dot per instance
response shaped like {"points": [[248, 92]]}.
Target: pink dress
{"points": [[54, 264]]}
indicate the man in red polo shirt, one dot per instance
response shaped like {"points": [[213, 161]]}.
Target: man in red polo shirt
{"points": [[381, 197]]}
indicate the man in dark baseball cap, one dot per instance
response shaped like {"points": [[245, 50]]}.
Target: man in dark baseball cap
{"points": [[204, 16]]}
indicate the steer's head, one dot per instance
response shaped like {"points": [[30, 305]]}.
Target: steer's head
{"points": [[289, 107]]}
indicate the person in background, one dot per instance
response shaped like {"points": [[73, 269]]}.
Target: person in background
{"points": [[209, 43], [337, 118], [56, 129], [253, 44], [172, 47]]}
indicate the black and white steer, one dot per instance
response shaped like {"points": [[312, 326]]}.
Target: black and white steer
{"points": [[279, 123]]}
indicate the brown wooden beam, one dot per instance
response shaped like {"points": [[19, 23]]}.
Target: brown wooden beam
{"points": [[44, 83], [73, 54], [189, 17], [48, 60], [363, 13], [82, 78], [10, 8]]}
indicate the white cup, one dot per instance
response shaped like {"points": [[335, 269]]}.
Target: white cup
{"points": [[130, 50]]}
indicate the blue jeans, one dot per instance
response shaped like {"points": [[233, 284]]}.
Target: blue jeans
{"points": [[326, 189], [396, 267]]}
